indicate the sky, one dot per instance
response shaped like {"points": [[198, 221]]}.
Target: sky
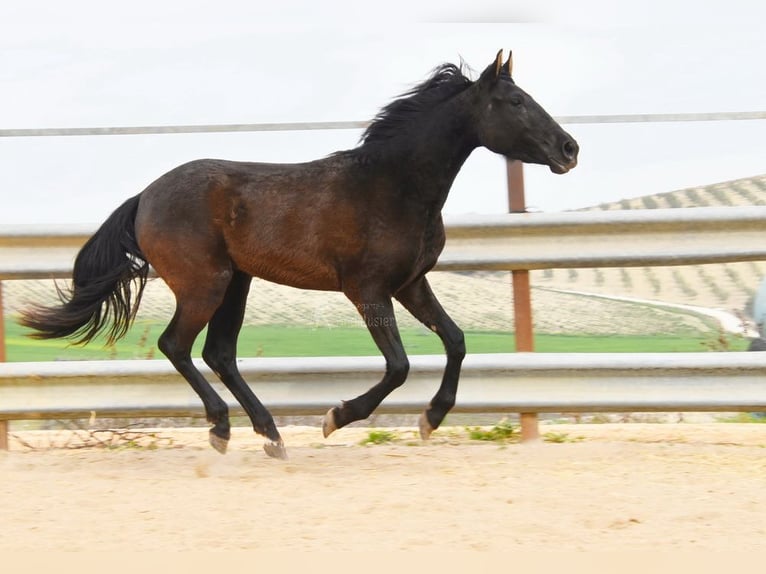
{"points": [[83, 63]]}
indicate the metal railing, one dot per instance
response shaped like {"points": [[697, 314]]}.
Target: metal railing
{"points": [[521, 382], [350, 125], [498, 242], [513, 382]]}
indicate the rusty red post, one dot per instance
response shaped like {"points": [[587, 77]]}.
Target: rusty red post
{"points": [[3, 424], [2, 326], [522, 297]]}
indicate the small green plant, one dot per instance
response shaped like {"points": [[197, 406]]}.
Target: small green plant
{"points": [[503, 431], [379, 437], [561, 437], [758, 418]]}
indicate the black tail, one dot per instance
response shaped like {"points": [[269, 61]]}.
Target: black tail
{"points": [[101, 297]]}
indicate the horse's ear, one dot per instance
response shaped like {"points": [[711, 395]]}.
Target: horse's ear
{"points": [[509, 63], [498, 62], [492, 72]]}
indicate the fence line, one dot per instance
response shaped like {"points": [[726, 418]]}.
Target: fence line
{"points": [[680, 236], [699, 381], [509, 382], [521, 382], [350, 125]]}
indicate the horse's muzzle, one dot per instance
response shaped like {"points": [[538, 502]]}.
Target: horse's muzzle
{"points": [[567, 159]]}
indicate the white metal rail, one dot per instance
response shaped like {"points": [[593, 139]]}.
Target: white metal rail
{"points": [[501, 242], [349, 125], [515, 382]]}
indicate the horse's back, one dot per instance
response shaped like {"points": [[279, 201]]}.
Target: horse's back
{"points": [[204, 192], [288, 223]]}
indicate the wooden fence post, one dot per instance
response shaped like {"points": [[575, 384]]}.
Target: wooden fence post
{"points": [[2, 326], [3, 435], [522, 298], [3, 424]]}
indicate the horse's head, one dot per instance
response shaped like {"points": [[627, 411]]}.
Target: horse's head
{"points": [[511, 123]]}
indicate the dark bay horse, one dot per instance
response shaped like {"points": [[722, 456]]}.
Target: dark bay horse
{"points": [[365, 221]]}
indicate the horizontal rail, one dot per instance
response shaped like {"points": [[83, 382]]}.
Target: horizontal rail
{"points": [[349, 125], [517, 382], [646, 237], [629, 238], [183, 129], [659, 118]]}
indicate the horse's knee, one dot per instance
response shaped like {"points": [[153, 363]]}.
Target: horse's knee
{"points": [[397, 370]]}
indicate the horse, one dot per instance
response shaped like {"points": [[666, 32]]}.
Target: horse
{"points": [[364, 221]]}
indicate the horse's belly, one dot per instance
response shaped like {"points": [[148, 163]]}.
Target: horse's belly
{"points": [[293, 270]]}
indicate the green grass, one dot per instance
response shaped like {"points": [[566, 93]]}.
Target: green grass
{"points": [[287, 341], [757, 418], [379, 436], [503, 431], [561, 437]]}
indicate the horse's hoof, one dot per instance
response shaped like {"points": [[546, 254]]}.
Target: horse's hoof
{"points": [[218, 443], [328, 425], [275, 449], [425, 427]]}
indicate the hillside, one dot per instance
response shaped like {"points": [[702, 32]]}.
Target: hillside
{"points": [[728, 286], [745, 191]]}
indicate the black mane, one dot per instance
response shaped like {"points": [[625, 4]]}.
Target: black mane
{"points": [[446, 81]]}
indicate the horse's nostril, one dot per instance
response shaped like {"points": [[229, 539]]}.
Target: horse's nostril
{"points": [[569, 149]]}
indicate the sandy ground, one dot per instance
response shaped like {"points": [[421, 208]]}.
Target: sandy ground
{"points": [[621, 487]]}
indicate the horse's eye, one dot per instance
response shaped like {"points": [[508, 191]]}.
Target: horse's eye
{"points": [[516, 100]]}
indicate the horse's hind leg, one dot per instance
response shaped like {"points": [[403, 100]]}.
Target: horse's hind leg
{"points": [[220, 353], [193, 311], [419, 300]]}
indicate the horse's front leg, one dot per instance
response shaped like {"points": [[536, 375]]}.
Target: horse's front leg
{"points": [[378, 316], [419, 300]]}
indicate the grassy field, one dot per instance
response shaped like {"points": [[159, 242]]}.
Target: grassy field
{"points": [[284, 341]]}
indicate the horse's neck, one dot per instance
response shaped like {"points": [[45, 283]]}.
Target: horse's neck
{"points": [[428, 162]]}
